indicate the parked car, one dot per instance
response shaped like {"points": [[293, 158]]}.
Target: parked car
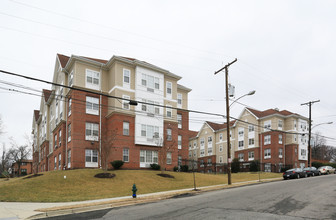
{"points": [[326, 170], [312, 171], [294, 173]]}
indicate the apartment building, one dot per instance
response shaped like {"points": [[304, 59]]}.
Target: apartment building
{"points": [[274, 138], [86, 119], [25, 168]]}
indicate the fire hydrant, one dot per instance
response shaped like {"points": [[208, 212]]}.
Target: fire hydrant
{"points": [[134, 189]]}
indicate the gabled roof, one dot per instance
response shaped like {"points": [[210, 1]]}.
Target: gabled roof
{"points": [[261, 114], [193, 134], [63, 59], [36, 114], [183, 88], [216, 126], [46, 94], [97, 60]]}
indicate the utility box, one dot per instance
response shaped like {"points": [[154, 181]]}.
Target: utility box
{"points": [[231, 91]]}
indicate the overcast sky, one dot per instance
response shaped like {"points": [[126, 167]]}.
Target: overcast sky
{"points": [[286, 51]]}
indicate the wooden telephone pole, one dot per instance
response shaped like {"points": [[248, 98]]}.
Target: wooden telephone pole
{"points": [[309, 137], [228, 143]]}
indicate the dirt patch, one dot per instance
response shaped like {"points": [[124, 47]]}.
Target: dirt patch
{"points": [[105, 175], [165, 175], [32, 176]]}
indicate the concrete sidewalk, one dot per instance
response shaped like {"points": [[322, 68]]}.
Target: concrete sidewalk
{"points": [[27, 210]]}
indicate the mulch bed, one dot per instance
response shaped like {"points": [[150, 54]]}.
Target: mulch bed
{"points": [[105, 175], [165, 175], [32, 176]]}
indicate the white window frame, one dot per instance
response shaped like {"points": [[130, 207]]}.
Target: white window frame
{"points": [[241, 144], [69, 158], [280, 139], [90, 130], [69, 107], [126, 128], [251, 155], [241, 157], [169, 89], [70, 79], [126, 74], [179, 142], [251, 142], [220, 148], [280, 124], [59, 161], [267, 125], [92, 155], [280, 152], [267, 153], [126, 154], [92, 105], [148, 157], [267, 139], [221, 137], [169, 134], [125, 104], [60, 137], [179, 100], [69, 132], [95, 76], [169, 158], [179, 121], [169, 111], [250, 128]]}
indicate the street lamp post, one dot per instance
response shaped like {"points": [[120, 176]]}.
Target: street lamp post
{"points": [[250, 93]]}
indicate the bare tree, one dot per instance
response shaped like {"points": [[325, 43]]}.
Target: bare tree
{"points": [[4, 165], [108, 146], [318, 148], [19, 154], [1, 126], [166, 147]]}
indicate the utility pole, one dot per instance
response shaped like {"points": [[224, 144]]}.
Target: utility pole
{"points": [[228, 143], [309, 137]]}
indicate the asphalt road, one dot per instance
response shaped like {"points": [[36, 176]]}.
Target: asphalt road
{"points": [[306, 198]]}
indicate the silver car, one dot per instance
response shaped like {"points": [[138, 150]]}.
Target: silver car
{"points": [[326, 170]]}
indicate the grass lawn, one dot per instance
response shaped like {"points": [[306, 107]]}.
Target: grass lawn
{"points": [[81, 185]]}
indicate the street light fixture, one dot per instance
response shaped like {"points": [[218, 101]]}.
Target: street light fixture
{"points": [[250, 93], [325, 123]]}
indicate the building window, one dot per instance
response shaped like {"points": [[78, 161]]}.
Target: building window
{"points": [[209, 162], [69, 110], [280, 152], [267, 139], [70, 79], [169, 111], [268, 167], [59, 161], [220, 148], [240, 132], [92, 105], [127, 77], [241, 157], [179, 142], [209, 151], [169, 158], [303, 152], [179, 120], [126, 155], [125, 128], [179, 100], [69, 132], [267, 153], [202, 142], [91, 158], [221, 159], [251, 155], [92, 79], [280, 138], [195, 144], [91, 131], [150, 131], [202, 152], [280, 124], [251, 142], [240, 144], [55, 141], [295, 137], [60, 138], [147, 157], [220, 137], [169, 134], [150, 82], [125, 103], [251, 128], [55, 163], [169, 89], [69, 158], [267, 125]]}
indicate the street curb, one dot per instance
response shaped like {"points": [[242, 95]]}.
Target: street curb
{"points": [[142, 199]]}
